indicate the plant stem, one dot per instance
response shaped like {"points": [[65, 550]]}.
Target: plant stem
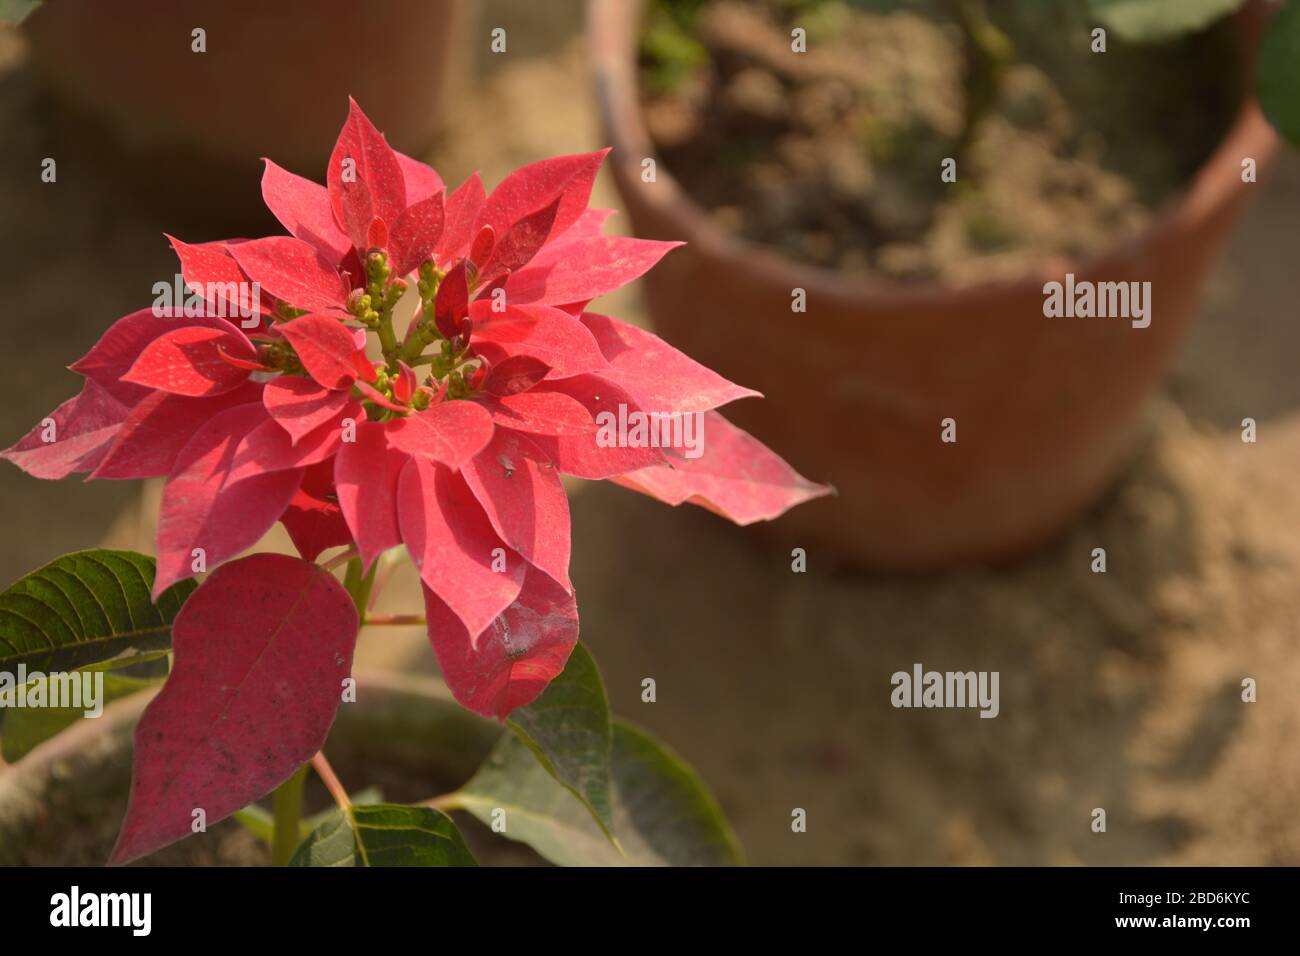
{"points": [[286, 806], [358, 583], [446, 803], [988, 54], [338, 559], [331, 781], [394, 620]]}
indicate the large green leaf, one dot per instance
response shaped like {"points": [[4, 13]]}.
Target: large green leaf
{"points": [[28, 726], [568, 729], [1145, 21], [1279, 71], [662, 812], [85, 607], [386, 834]]}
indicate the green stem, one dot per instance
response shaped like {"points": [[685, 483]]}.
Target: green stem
{"points": [[286, 804], [358, 583]]}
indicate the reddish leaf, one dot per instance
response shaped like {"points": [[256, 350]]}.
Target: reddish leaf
{"points": [[482, 246], [209, 269], [300, 405], [452, 302], [268, 447], [737, 477], [520, 243], [187, 361], [516, 374], [415, 233], [81, 429], [292, 270], [421, 180], [547, 334], [250, 365], [584, 269], [510, 663], [522, 495], [119, 347], [405, 382], [587, 226], [660, 377], [262, 649], [452, 543], [378, 171], [314, 524], [158, 428], [377, 234], [200, 509], [587, 456], [567, 179], [326, 348], [365, 475], [450, 432], [542, 413], [463, 208], [303, 207]]}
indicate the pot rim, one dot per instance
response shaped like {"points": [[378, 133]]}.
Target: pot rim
{"points": [[612, 27]]}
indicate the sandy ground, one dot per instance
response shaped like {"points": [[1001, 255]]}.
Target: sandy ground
{"points": [[1119, 691]]}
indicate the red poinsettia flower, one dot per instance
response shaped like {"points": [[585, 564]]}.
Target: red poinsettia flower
{"points": [[488, 380]]}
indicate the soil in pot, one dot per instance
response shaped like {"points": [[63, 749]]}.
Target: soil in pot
{"points": [[833, 156]]}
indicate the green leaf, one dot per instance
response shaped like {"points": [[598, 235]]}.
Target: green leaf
{"points": [[16, 11], [28, 726], [1145, 21], [259, 822], [385, 835], [568, 730], [83, 608], [662, 813], [1279, 71]]}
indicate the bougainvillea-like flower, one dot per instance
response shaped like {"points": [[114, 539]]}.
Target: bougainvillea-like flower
{"points": [[419, 369]]}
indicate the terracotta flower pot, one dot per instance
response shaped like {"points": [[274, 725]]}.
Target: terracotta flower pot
{"points": [[274, 79], [1046, 410]]}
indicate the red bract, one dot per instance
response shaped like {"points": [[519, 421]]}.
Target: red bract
{"points": [[448, 437]]}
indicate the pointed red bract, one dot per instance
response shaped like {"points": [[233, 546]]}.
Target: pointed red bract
{"points": [[188, 361], [293, 271], [520, 243], [268, 447], [303, 207], [365, 476], [541, 413], [462, 212], [660, 377], [81, 431], [566, 180], [415, 234], [585, 455], [313, 519], [737, 477], [545, 333], [153, 435], [509, 664], [325, 347], [451, 432], [420, 179], [364, 176], [452, 302], [118, 348], [582, 270], [452, 544], [522, 495], [209, 268], [262, 649], [300, 405], [200, 509], [516, 374]]}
